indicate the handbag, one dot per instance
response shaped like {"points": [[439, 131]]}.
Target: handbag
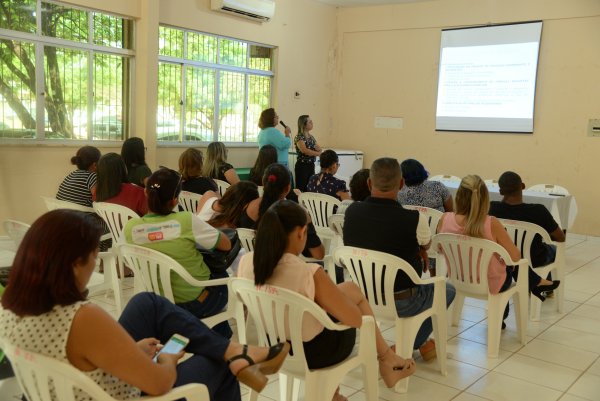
{"points": [[218, 261]]}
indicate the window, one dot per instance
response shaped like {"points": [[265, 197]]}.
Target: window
{"points": [[64, 72], [211, 88]]}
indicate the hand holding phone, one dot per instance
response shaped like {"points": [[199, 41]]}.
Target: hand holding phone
{"points": [[176, 344]]}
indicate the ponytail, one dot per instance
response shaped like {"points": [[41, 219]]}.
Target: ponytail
{"points": [[272, 237], [276, 180], [162, 187], [473, 201]]}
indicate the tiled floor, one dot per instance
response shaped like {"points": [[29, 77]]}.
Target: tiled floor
{"points": [[560, 361]]}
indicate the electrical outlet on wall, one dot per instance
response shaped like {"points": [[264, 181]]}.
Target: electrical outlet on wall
{"points": [[297, 95], [593, 127]]}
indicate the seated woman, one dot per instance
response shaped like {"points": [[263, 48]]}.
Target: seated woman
{"points": [[133, 152], [190, 168], [267, 155], [325, 182], [276, 183], [178, 235], [114, 187], [46, 294], [80, 185], [216, 165], [227, 211], [359, 189], [420, 192], [280, 238], [471, 218]]}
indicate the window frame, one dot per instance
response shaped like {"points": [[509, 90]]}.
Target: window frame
{"points": [[218, 68], [89, 48]]}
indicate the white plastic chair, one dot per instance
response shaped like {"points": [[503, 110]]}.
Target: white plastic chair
{"points": [[222, 186], [15, 230], [247, 235], [433, 217], [320, 207], [522, 234], [261, 190], [154, 270], [43, 378], [468, 259], [278, 314], [189, 201], [443, 177], [491, 184], [549, 189], [375, 272], [53, 203]]}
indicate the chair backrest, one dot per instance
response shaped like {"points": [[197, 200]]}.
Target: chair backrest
{"points": [[491, 183], [261, 190], [433, 216], [44, 378], [247, 236], [53, 203], [189, 201], [468, 259], [375, 273], [38, 375], [336, 224], [15, 230], [115, 216], [522, 233], [444, 177], [153, 269], [222, 186], [320, 207], [278, 314], [549, 189]]}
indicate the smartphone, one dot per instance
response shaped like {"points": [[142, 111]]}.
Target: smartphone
{"points": [[176, 343]]}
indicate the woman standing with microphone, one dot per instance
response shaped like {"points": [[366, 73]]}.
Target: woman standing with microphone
{"points": [[307, 149], [269, 135]]}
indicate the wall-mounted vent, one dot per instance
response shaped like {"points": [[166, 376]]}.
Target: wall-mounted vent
{"points": [[256, 10]]}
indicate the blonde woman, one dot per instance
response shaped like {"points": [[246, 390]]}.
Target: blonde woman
{"points": [[471, 218], [216, 165], [307, 149], [190, 168]]}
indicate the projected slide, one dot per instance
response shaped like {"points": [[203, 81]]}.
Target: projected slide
{"points": [[487, 79]]}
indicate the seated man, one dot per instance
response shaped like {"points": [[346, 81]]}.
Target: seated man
{"points": [[512, 207], [380, 223]]}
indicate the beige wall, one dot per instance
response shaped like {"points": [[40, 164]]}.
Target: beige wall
{"points": [[303, 30], [389, 64]]}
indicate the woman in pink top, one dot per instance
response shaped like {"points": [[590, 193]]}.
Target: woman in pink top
{"points": [[280, 238], [471, 218]]}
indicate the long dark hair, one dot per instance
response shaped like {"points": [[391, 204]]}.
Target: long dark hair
{"points": [[133, 152], [233, 203], [266, 155], [85, 157], [190, 163], [42, 272], [275, 181], [111, 174], [162, 187], [272, 236]]}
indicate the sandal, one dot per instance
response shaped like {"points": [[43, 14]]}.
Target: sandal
{"points": [[253, 375]]}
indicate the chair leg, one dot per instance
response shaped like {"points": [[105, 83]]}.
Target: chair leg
{"points": [[535, 306], [370, 377], [287, 389], [495, 312], [440, 332], [520, 305], [457, 306]]}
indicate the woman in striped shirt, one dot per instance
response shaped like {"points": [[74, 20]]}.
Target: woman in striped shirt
{"points": [[80, 185]]}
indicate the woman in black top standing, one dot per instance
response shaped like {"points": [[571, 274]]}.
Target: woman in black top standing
{"points": [[307, 149]]}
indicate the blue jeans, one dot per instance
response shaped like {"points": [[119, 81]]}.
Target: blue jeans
{"points": [[214, 303], [422, 300], [148, 315]]}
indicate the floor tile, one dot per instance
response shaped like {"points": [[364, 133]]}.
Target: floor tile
{"points": [[539, 372], [474, 353], [587, 387], [572, 338], [469, 397], [419, 390], [559, 354], [460, 375], [500, 387], [595, 368]]}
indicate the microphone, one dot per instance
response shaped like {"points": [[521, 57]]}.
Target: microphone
{"points": [[283, 124]]}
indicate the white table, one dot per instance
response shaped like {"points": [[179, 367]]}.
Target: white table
{"points": [[562, 207]]}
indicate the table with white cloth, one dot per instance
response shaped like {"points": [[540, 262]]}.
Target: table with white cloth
{"points": [[562, 207]]}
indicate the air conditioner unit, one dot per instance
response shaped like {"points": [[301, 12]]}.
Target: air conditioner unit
{"points": [[257, 10]]}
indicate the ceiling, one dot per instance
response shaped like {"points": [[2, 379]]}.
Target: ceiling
{"points": [[354, 3]]}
